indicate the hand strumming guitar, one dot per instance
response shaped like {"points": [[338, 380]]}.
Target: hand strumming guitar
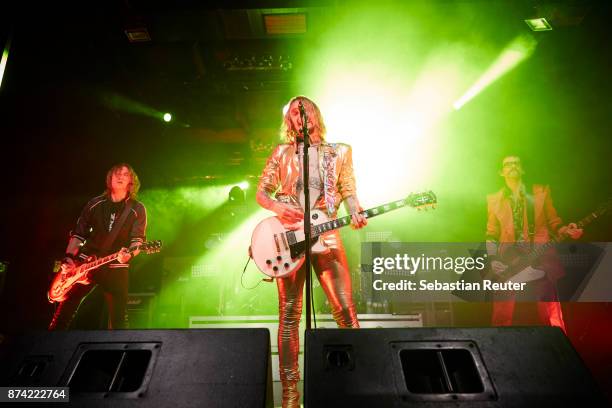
{"points": [[571, 230], [67, 266]]}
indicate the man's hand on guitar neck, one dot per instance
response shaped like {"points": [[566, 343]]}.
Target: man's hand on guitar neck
{"points": [[571, 230]]}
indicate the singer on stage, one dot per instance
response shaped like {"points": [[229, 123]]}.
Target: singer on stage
{"points": [[281, 190]]}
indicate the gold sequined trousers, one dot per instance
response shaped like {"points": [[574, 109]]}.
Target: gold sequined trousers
{"points": [[331, 269]]}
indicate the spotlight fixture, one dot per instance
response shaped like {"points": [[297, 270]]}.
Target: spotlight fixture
{"points": [[538, 24], [237, 196], [547, 15], [167, 117], [137, 34]]}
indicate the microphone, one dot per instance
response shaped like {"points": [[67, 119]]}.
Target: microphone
{"points": [[304, 130]]}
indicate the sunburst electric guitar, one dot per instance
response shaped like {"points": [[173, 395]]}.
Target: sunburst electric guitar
{"points": [[64, 281], [279, 252]]}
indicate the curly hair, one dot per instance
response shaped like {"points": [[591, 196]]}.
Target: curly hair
{"points": [[134, 185]]}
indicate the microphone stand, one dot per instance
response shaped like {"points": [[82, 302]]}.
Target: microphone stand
{"points": [[307, 233]]}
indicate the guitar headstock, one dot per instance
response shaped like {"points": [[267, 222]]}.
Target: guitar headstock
{"points": [[604, 207], [150, 247], [422, 200]]}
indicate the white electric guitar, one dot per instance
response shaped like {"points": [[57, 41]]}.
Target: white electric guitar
{"points": [[279, 252]]}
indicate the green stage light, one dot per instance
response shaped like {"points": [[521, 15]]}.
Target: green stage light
{"points": [[167, 117], [244, 185], [228, 258], [384, 124], [390, 93], [389, 116], [4, 59], [538, 24], [122, 103], [521, 48], [172, 208]]}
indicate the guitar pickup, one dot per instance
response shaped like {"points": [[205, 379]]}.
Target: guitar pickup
{"points": [[297, 249]]}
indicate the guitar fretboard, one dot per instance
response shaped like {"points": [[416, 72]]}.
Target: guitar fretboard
{"points": [[539, 250], [99, 262], [589, 219], [346, 220], [153, 245]]}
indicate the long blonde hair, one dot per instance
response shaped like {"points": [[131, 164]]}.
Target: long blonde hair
{"points": [[287, 133]]}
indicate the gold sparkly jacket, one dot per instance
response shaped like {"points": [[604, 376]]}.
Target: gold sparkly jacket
{"points": [[281, 173]]}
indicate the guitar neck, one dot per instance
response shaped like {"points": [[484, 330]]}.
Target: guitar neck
{"points": [[148, 247], [99, 262], [540, 249], [346, 220], [589, 219]]}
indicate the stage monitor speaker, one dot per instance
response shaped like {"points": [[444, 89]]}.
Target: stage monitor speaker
{"points": [[145, 368], [445, 367]]}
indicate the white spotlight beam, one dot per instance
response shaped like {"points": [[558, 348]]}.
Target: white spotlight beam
{"points": [[521, 48]]}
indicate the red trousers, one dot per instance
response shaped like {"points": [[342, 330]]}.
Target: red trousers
{"points": [[549, 308]]}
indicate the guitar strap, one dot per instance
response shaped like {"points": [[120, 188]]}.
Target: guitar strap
{"points": [[110, 239], [529, 198]]}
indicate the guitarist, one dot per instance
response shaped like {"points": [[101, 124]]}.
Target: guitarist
{"points": [[94, 230], [331, 182], [510, 212]]}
